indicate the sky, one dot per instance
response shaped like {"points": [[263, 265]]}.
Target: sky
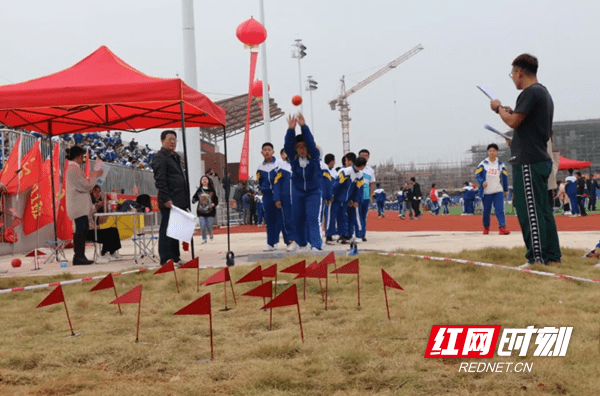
{"points": [[428, 109]]}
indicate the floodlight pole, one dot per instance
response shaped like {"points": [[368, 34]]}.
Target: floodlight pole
{"points": [[265, 97], [298, 54], [185, 158]]}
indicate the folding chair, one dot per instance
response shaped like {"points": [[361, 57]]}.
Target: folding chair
{"points": [[58, 250]]}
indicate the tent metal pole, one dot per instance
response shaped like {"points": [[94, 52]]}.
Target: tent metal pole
{"points": [[230, 257], [185, 158], [53, 191]]}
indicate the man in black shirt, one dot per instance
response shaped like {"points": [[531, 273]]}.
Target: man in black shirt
{"points": [[580, 193], [417, 195], [170, 182], [532, 123]]}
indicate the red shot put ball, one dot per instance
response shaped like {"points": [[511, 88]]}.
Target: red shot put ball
{"points": [[16, 263], [297, 100]]}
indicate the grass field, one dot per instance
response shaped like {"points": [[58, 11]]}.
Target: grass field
{"points": [[348, 350]]}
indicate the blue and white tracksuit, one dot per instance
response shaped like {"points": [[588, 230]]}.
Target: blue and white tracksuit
{"points": [[363, 207], [327, 184], [347, 187], [260, 209], [306, 189], [400, 197], [445, 203], [571, 190], [283, 193], [469, 200], [380, 198], [266, 174], [497, 177]]}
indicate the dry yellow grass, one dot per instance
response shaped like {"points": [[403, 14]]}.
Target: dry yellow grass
{"points": [[348, 350]]}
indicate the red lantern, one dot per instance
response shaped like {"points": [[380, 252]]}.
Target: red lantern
{"points": [[257, 89], [251, 32]]}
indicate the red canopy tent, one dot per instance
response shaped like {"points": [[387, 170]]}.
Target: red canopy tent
{"points": [[566, 163], [102, 93]]}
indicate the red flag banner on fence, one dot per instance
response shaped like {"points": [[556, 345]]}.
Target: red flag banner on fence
{"points": [[31, 168], [11, 168], [200, 307], [253, 276], [38, 210], [64, 225]]}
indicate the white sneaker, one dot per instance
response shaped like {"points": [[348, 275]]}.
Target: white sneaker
{"points": [[292, 247], [115, 255], [524, 266], [204, 241], [315, 248], [269, 248], [102, 260], [303, 249]]}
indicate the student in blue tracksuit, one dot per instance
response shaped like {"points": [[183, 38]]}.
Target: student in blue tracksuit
{"points": [[380, 198], [267, 171], [445, 202], [326, 184], [571, 190], [347, 194], [283, 201], [492, 179], [468, 199], [306, 183], [260, 210], [399, 198]]}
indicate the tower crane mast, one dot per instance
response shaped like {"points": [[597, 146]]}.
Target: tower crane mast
{"points": [[342, 103]]}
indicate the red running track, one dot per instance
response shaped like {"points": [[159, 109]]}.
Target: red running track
{"points": [[429, 222]]}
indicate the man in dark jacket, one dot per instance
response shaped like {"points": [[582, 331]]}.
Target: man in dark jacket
{"points": [[417, 195], [170, 182]]}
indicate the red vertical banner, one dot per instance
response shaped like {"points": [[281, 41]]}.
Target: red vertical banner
{"points": [[38, 210], [87, 163], [56, 170], [12, 167], [64, 225], [243, 173]]}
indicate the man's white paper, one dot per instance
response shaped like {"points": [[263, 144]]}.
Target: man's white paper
{"points": [[487, 91], [492, 129], [105, 167], [181, 225]]}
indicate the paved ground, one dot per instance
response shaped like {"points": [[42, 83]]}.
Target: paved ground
{"points": [[247, 248]]}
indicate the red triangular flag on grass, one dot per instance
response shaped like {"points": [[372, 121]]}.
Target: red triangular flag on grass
{"points": [[297, 268], [306, 271], [350, 268], [270, 272], [389, 281], [199, 307], [106, 283], [319, 271], [265, 290], [287, 297], [193, 263], [253, 276], [329, 259], [55, 297], [35, 252], [133, 296], [168, 267], [219, 277]]}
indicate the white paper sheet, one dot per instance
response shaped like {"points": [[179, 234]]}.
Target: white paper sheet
{"points": [[181, 224], [492, 129], [105, 167], [487, 91]]}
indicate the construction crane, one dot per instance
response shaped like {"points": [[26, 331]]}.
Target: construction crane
{"points": [[342, 102]]}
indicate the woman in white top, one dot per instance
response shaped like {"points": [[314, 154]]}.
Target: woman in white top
{"points": [[79, 202]]}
